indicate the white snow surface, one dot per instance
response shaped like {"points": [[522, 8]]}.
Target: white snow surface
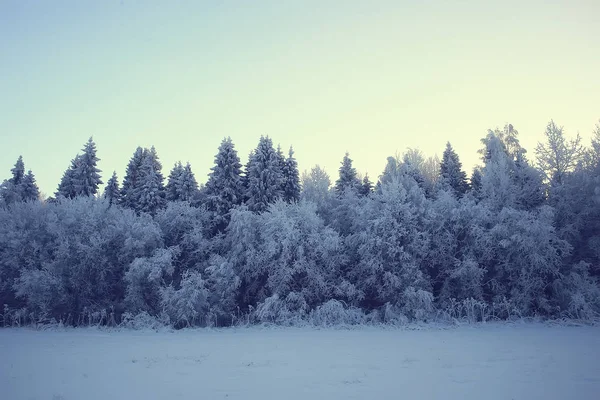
{"points": [[491, 361]]}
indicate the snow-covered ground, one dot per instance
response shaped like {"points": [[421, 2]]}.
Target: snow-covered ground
{"points": [[494, 361]]}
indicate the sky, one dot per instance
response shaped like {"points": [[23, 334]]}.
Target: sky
{"points": [[368, 77]]}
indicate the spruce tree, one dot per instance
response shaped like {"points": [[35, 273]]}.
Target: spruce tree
{"points": [[151, 190], [348, 179], [291, 179], [69, 185], [172, 190], [264, 176], [111, 191], [476, 182], [129, 192], [18, 172], [451, 173], [187, 186], [29, 189], [366, 188], [88, 174], [82, 178], [224, 188]]}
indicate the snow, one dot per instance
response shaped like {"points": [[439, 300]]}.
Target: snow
{"points": [[492, 361]]}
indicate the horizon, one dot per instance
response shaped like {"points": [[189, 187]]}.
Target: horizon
{"points": [[372, 80]]}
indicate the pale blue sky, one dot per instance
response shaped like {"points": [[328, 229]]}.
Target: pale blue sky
{"points": [[369, 77]]}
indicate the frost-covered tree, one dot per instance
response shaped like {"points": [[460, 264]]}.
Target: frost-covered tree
{"points": [[83, 176], [151, 190], [88, 174], [348, 179], [391, 247], [366, 188], [29, 189], [66, 260], [264, 176], [182, 185], [188, 186], [172, 187], [451, 174], [20, 187], [315, 185], [112, 192], [143, 186], [291, 179], [131, 182], [558, 156], [298, 252], [18, 172], [224, 188], [507, 178], [68, 186]]}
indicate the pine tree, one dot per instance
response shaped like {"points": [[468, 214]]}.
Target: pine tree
{"points": [[29, 188], [264, 176], [366, 188], [172, 186], [347, 179], [88, 174], [187, 186], [111, 191], [69, 186], [224, 188], [82, 178], [476, 182], [151, 191], [451, 173], [291, 179], [143, 187], [18, 172], [129, 196], [10, 191]]}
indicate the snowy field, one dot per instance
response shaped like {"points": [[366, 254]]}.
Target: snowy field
{"points": [[523, 361]]}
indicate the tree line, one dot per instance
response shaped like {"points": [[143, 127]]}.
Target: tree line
{"points": [[262, 243]]}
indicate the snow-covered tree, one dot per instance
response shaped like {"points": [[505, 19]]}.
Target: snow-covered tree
{"points": [[507, 178], [111, 191], [172, 186], [558, 156], [451, 173], [315, 185], [88, 174], [29, 188], [82, 178], [131, 182], [264, 176], [366, 188], [20, 187], [18, 172], [224, 188], [151, 191], [348, 179], [291, 179], [392, 246], [143, 186]]}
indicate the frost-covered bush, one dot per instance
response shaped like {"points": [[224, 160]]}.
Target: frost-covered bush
{"points": [[578, 294], [417, 304], [188, 305], [288, 311], [223, 288], [334, 312], [140, 321], [145, 277]]}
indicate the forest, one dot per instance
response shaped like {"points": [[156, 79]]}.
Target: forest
{"points": [[262, 243]]}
